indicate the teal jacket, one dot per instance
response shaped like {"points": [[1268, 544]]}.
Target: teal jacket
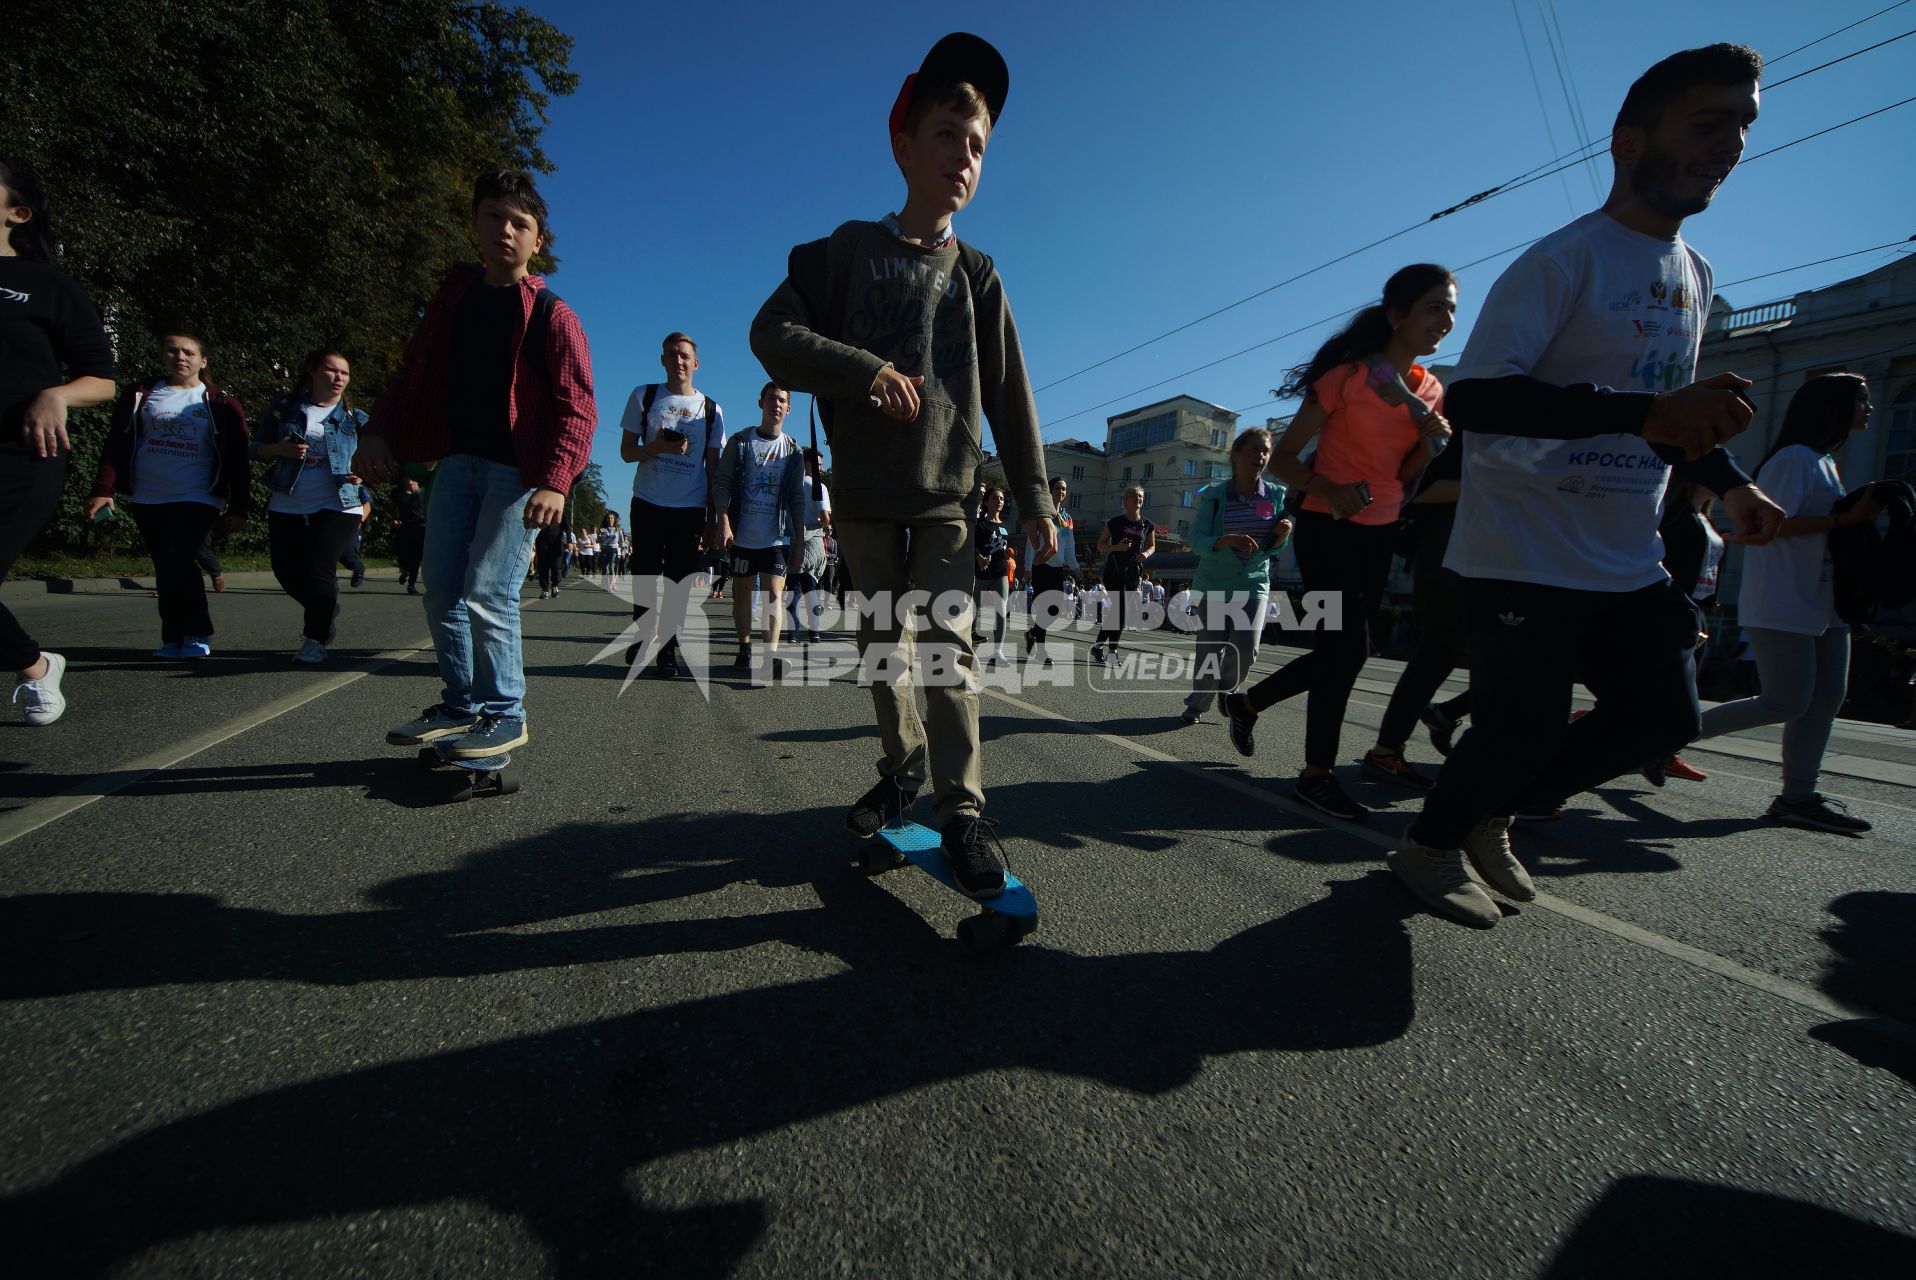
{"points": [[1225, 570]]}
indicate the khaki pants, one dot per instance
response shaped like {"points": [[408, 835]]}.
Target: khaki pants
{"points": [[888, 558]]}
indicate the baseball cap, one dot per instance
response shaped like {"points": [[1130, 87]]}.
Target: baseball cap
{"points": [[959, 56]]}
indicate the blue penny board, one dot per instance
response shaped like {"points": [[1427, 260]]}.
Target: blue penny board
{"points": [[922, 845], [487, 764]]}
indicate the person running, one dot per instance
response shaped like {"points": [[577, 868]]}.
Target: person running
{"points": [[1440, 626], [547, 546], [1126, 542], [1238, 527], [496, 387], [1372, 410], [937, 349], [1787, 602], [992, 543], [1564, 477], [349, 557], [673, 432], [178, 448], [54, 357], [761, 506], [1052, 576], [814, 563], [1692, 552], [409, 531], [315, 508]]}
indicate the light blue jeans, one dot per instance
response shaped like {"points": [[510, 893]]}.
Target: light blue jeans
{"points": [[477, 550]]}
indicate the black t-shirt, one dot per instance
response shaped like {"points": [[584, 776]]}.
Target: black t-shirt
{"points": [[479, 399], [1124, 562], [994, 541], [49, 335], [409, 508]]}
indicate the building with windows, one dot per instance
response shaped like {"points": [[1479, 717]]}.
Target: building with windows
{"points": [[1172, 448], [1863, 325]]}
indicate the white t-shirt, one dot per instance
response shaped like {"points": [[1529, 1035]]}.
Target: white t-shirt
{"points": [[817, 508], [1711, 573], [176, 457], [673, 479], [1592, 302], [761, 481], [1787, 582], [316, 489]]}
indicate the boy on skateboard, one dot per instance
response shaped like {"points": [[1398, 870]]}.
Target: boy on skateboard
{"points": [[906, 337], [496, 386]]}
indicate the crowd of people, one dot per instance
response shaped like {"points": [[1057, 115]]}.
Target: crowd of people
{"points": [[1555, 500]]}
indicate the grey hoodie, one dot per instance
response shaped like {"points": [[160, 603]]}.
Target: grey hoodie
{"points": [[862, 299]]}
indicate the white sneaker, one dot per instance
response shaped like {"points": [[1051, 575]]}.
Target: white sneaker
{"points": [[1488, 848], [312, 653], [45, 702], [1441, 879]]}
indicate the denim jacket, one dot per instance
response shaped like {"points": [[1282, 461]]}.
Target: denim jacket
{"points": [[286, 417]]}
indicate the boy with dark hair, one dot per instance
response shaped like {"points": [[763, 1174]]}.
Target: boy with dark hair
{"points": [[1576, 391], [496, 386], [895, 322], [760, 498], [673, 432]]}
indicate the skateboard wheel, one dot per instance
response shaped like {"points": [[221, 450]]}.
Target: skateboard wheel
{"points": [[429, 757], [508, 781], [987, 931], [879, 859]]}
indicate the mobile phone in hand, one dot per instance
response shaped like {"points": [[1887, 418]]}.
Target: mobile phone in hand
{"points": [[671, 435]]}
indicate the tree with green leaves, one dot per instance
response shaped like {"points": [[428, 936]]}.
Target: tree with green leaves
{"points": [[269, 178]]}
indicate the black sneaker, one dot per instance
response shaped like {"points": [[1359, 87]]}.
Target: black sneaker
{"points": [[1814, 813], [1442, 728], [967, 841], [1191, 716], [1242, 721], [1398, 770], [669, 665], [1323, 794], [1654, 774], [743, 662], [359, 580], [877, 808], [1097, 655], [1031, 639], [812, 637]]}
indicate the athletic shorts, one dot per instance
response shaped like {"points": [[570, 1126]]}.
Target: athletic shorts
{"points": [[759, 560]]}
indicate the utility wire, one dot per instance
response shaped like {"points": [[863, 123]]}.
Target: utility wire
{"points": [[1504, 188]]}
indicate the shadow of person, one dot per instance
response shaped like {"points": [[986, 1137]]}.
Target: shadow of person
{"points": [[547, 1127], [1874, 967], [1651, 1226]]}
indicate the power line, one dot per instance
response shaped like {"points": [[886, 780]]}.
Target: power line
{"points": [[1783, 271], [1504, 188], [1536, 85], [1560, 56], [1839, 31]]}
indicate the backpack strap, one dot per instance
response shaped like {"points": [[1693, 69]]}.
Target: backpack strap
{"points": [[539, 329]]}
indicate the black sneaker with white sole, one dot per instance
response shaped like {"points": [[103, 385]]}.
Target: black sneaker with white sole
{"points": [[879, 807], [1323, 794], [1242, 721], [1815, 813], [968, 841]]}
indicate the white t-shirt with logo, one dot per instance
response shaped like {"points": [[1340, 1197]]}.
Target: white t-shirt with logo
{"points": [[761, 479], [317, 489], [1788, 584], [672, 479], [1592, 302], [176, 458]]}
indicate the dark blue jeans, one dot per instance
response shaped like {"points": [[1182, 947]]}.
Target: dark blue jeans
{"points": [[1529, 644]]}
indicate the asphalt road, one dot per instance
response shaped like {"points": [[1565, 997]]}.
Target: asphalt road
{"points": [[265, 1011]]}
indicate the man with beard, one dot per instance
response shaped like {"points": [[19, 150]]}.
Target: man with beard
{"points": [[1576, 395]]}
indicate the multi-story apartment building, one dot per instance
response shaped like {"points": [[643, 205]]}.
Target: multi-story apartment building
{"points": [[1172, 448]]}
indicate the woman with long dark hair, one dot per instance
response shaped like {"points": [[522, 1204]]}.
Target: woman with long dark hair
{"points": [[54, 357], [317, 505], [1787, 603], [1374, 412], [178, 450]]}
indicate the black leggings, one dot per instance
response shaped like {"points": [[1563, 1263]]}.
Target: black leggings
{"points": [[306, 561], [29, 492], [1044, 577], [409, 546], [1123, 606], [1354, 560], [174, 533]]}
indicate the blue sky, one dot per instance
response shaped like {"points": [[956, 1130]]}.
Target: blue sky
{"points": [[1155, 162]]}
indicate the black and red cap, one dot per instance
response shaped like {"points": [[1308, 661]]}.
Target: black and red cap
{"points": [[959, 56]]}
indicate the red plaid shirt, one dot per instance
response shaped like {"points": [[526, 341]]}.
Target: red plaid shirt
{"points": [[551, 420]]}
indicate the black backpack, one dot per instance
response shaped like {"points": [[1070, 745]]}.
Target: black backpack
{"points": [[1872, 571]]}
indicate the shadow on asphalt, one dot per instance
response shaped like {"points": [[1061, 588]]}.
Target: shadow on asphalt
{"points": [[396, 778], [1651, 1226], [1873, 968], [547, 1127]]}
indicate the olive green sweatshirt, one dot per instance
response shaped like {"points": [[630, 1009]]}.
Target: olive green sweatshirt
{"points": [[862, 299]]}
